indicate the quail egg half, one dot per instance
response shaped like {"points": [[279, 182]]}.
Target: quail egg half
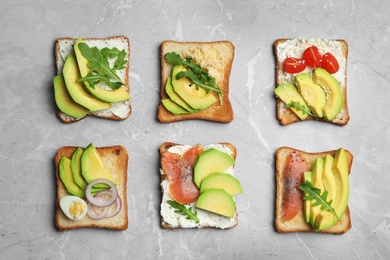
{"points": [[73, 207]]}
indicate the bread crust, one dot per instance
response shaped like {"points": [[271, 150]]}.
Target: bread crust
{"points": [[164, 147], [216, 112], [58, 58], [286, 116], [115, 158], [298, 223]]}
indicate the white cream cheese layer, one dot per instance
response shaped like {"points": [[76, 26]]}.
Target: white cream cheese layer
{"points": [[206, 218], [296, 47], [120, 109]]}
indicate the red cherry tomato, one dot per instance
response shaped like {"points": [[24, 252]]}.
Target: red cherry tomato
{"points": [[312, 57], [329, 63], [294, 65]]}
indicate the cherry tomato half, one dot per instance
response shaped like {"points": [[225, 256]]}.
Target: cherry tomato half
{"points": [[294, 65], [329, 63], [312, 57]]}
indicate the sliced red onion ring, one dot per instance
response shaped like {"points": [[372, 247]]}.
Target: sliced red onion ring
{"points": [[92, 213], [98, 202], [118, 207]]}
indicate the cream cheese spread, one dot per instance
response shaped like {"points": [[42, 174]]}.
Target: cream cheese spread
{"points": [[296, 47], [205, 218]]}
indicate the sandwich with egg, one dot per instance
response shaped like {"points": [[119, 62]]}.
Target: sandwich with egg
{"points": [[91, 187]]}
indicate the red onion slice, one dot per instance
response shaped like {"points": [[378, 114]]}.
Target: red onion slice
{"points": [[92, 213], [118, 207], [98, 202]]}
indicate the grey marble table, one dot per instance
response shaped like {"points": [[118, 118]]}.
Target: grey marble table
{"points": [[31, 134]]}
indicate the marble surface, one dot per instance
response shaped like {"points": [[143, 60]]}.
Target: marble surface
{"points": [[31, 134]]}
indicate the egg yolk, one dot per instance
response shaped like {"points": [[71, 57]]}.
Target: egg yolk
{"points": [[76, 209]]}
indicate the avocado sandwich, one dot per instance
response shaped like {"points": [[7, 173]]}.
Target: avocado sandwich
{"points": [[311, 80], [91, 187], [195, 81], [92, 78], [198, 186], [312, 191]]}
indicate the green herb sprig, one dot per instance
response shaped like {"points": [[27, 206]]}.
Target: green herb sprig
{"points": [[199, 76], [181, 209], [299, 106], [100, 70], [312, 192]]}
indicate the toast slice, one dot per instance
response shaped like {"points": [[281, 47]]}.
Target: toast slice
{"points": [[294, 48], [171, 220], [298, 223], [217, 59], [119, 110], [115, 158]]}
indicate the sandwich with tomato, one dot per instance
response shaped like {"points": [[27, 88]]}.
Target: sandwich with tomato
{"points": [[311, 82]]}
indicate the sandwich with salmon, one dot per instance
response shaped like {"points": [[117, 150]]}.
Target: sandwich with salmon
{"points": [[312, 191], [195, 81], [311, 80], [198, 186], [92, 78]]}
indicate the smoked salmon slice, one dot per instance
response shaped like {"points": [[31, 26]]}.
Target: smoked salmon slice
{"points": [[292, 177], [192, 154], [179, 172]]}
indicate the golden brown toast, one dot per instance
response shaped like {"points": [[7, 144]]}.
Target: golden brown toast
{"points": [[215, 57]]}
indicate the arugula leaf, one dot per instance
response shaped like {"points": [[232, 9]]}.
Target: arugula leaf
{"points": [[181, 209], [299, 106], [100, 70], [199, 76], [312, 192]]}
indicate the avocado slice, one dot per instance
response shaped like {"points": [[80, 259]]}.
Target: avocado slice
{"points": [[75, 166], [175, 97], [66, 177], [288, 93], [194, 96], [92, 167], [173, 107], [210, 161], [312, 93], [307, 203], [64, 101], [317, 170], [341, 174], [79, 95], [334, 97], [328, 178], [217, 201], [111, 96], [221, 180]]}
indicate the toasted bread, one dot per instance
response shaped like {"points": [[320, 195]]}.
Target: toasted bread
{"points": [[339, 48], [115, 158], [298, 223], [176, 221], [119, 110], [216, 58]]}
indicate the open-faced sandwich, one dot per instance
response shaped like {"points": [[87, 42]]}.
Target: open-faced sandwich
{"points": [[311, 79], [312, 191], [92, 78], [198, 186], [195, 81], [91, 187]]}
